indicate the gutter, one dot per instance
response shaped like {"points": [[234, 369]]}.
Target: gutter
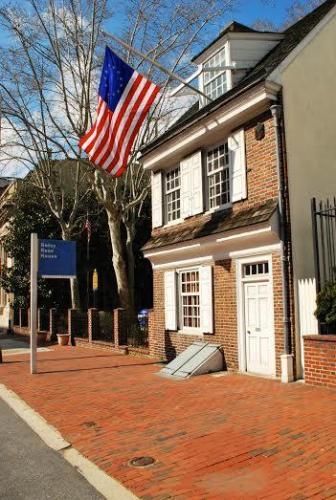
{"points": [[277, 112]]}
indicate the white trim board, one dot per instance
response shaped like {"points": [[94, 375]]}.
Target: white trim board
{"points": [[217, 256], [184, 263], [227, 115]]}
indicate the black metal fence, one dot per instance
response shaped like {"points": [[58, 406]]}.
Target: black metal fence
{"points": [[324, 237], [137, 334], [105, 326]]}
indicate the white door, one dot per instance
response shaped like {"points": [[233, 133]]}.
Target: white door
{"points": [[259, 328]]}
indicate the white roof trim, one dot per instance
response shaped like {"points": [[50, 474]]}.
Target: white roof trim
{"points": [[245, 234], [276, 75], [185, 142], [172, 250], [186, 262]]}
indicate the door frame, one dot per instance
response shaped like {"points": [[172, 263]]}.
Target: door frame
{"points": [[240, 281]]}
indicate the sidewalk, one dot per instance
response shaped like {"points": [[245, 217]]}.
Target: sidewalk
{"points": [[213, 437], [31, 470]]}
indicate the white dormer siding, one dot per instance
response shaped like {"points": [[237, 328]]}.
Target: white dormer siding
{"points": [[246, 53]]}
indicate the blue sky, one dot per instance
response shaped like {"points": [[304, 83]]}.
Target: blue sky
{"points": [[250, 10]]}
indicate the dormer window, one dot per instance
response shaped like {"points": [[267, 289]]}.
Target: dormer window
{"points": [[215, 82]]}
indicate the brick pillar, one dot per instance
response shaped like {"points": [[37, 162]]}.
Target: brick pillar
{"points": [[52, 324], [151, 332], [72, 325], [93, 324], [119, 327]]}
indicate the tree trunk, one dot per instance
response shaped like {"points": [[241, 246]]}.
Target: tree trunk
{"points": [[74, 291], [119, 263], [130, 261]]}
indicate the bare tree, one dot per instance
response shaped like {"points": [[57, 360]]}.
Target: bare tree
{"points": [[46, 79], [167, 32], [294, 12]]}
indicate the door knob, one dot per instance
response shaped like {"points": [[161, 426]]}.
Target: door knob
{"points": [[248, 331]]}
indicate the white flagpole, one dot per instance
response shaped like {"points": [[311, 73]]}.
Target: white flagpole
{"points": [[174, 76], [33, 300]]}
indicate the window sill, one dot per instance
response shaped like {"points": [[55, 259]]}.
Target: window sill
{"points": [[218, 209], [190, 331], [173, 223]]}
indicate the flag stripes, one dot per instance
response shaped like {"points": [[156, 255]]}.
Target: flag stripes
{"points": [[120, 114]]}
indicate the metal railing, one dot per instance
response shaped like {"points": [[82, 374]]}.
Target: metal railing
{"points": [[324, 238]]}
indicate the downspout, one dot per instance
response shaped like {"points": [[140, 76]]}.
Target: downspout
{"points": [[287, 358]]}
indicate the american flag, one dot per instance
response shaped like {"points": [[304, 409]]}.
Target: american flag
{"points": [[124, 99]]}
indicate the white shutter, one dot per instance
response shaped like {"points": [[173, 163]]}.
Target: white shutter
{"points": [[206, 292], [238, 165], [156, 185], [170, 300], [191, 185]]}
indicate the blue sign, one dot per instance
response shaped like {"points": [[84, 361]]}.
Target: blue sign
{"points": [[57, 259]]}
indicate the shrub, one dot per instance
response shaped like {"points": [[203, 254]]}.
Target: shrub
{"points": [[326, 304]]}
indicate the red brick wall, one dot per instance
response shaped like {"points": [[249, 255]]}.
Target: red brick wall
{"points": [[262, 182], [167, 345], [320, 360]]}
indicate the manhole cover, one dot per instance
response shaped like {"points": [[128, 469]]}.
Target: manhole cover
{"points": [[142, 461]]}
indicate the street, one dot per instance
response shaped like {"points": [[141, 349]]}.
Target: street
{"points": [[29, 469]]}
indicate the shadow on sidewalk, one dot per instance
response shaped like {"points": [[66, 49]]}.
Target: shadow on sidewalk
{"points": [[97, 368]]}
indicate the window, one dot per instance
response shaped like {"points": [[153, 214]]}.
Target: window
{"points": [[214, 82], [218, 172], [258, 269], [190, 299], [173, 195]]}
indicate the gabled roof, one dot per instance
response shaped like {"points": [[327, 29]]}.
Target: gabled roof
{"points": [[292, 37], [232, 27]]}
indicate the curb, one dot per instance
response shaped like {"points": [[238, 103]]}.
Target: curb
{"points": [[106, 485]]}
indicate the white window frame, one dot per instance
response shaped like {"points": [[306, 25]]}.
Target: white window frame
{"points": [[257, 276], [181, 328], [207, 176], [170, 191], [218, 74]]}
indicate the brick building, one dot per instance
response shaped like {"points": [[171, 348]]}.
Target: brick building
{"points": [[228, 225]]}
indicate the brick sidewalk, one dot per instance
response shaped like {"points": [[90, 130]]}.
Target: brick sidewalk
{"points": [[224, 437]]}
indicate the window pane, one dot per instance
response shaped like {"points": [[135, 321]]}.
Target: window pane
{"points": [[256, 269], [173, 195], [190, 300], [218, 176]]}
